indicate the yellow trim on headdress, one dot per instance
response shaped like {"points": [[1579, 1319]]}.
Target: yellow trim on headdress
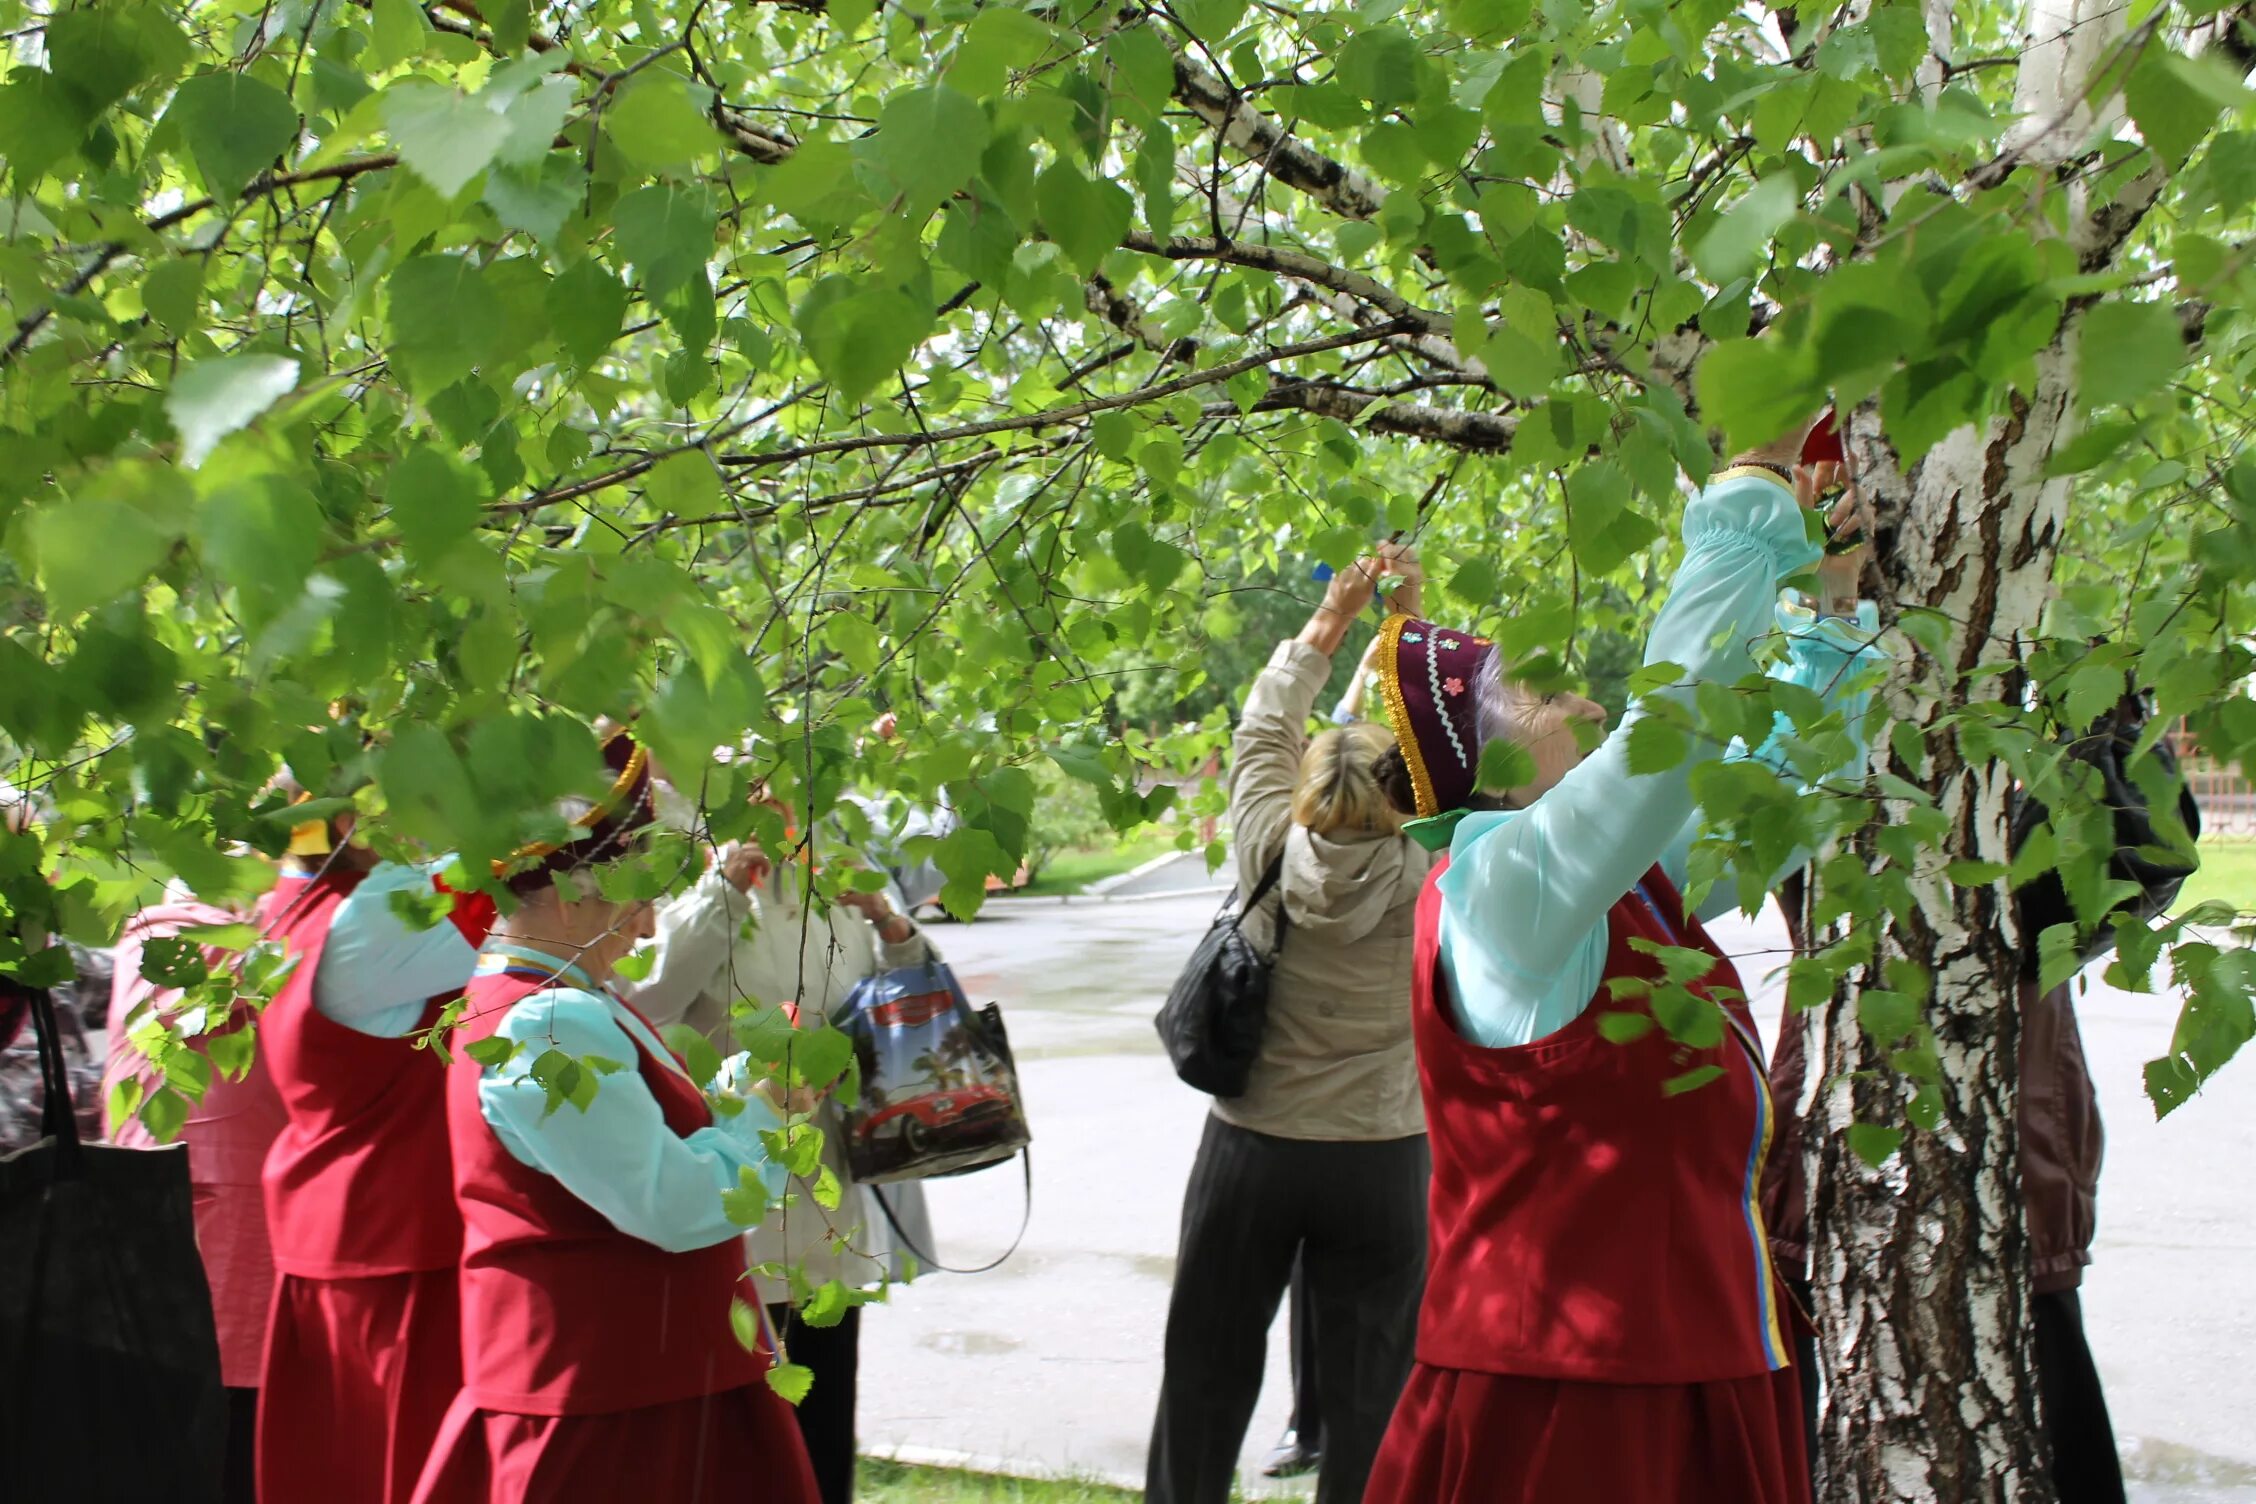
{"points": [[1398, 711], [312, 837], [637, 760], [1737, 472]]}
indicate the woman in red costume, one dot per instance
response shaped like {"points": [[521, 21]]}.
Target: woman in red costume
{"points": [[363, 1347], [600, 1264], [1601, 1321]]}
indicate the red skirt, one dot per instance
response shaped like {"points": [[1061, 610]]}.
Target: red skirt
{"points": [[1482, 1438], [357, 1378], [741, 1446]]}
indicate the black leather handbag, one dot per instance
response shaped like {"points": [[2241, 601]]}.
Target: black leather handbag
{"points": [[2141, 855], [1214, 1016]]}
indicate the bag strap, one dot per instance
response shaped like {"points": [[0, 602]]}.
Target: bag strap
{"points": [[57, 1119], [1026, 1164], [1268, 881]]}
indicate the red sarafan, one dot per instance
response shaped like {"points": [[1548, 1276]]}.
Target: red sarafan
{"points": [[1823, 443]]}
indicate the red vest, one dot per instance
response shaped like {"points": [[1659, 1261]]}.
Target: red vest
{"points": [[356, 1183], [1586, 1224], [562, 1313]]}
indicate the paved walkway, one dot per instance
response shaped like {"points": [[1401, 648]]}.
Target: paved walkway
{"points": [[1051, 1363]]}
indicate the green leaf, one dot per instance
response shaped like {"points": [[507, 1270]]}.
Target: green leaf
{"points": [[819, 1055], [2126, 350], [1504, 765], [214, 398], [445, 137], [658, 125], [1734, 247], [42, 121], [170, 961], [434, 502], [91, 550], [108, 51], [1873, 1143], [401, 33], [492, 1053], [791, 1380], [1691, 1080], [929, 141], [1380, 64], [445, 320], [1969, 874], [234, 125], [859, 336], [667, 232], [1756, 390], [1621, 1025], [173, 294], [685, 484], [2171, 116], [1656, 746], [587, 307], [537, 201], [697, 1054], [233, 1052], [164, 1114], [1085, 216]]}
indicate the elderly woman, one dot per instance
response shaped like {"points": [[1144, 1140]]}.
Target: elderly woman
{"points": [[601, 1270], [1601, 1318], [1324, 1155], [747, 931]]}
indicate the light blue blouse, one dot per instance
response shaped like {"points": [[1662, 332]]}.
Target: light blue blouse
{"points": [[378, 973], [1523, 931], [617, 1154]]}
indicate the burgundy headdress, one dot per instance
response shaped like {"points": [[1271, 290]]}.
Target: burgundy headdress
{"points": [[1426, 674], [608, 828]]}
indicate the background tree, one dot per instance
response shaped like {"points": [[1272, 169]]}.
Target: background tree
{"points": [[457, 373]]}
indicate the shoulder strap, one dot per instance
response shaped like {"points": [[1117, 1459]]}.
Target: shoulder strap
{"points": [[1026, 1165], [1268, 879]]}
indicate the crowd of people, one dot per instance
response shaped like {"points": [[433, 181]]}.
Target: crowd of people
{"points": [[1524, 1267], [431, 1285]]}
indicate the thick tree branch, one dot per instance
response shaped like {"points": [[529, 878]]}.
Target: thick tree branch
{"points": [[1481, 433], [1255, 136]]}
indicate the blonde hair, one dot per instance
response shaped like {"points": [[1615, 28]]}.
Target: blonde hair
{"points": [[1338, 789]]}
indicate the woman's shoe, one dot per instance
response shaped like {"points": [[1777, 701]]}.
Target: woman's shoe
{"points": [[1291, 1458]]}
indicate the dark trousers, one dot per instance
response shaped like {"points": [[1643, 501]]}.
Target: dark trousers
{"points": [[238, 1479], [1307, 1421], [1354, 1214], [2085, 1467], [826, 1415]]}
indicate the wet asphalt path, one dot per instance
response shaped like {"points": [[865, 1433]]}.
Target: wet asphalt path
{"points": [[1051, 1362]]}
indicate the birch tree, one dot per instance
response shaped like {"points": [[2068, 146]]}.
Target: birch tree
{"points": [[390, 389]]}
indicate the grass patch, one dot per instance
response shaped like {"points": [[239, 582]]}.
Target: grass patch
{"points": [[2228, 872], [1072, 871], [881, 1482]]}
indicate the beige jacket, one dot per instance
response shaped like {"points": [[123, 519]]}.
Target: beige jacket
{"points": [[715, 945], [1336, 1062]]}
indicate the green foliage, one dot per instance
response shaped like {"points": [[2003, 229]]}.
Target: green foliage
{"points": [[751, 371]]}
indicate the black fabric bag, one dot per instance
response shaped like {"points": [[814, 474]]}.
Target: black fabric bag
{"points": [[1215, 1014], [2141, 856], [111, 1360]]}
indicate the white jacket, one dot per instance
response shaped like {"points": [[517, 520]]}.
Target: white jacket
{"points": [[715, 945]]}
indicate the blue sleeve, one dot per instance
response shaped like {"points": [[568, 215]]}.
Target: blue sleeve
{"points": [[617, 1154], [377, 973], [1828, 656], [1526, 893]]}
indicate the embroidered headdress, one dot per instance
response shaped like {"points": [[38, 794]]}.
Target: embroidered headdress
{"points": [[1426, 674], [604, 829]]}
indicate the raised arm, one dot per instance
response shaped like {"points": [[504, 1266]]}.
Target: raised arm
{"points": [[1273, 727], [1527, 890]]}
